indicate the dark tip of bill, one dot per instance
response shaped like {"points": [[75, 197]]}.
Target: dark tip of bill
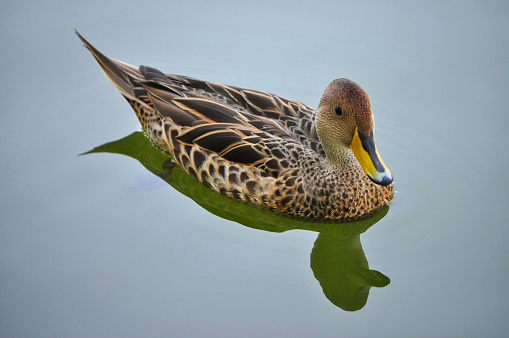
{"points": [[386, 181]]}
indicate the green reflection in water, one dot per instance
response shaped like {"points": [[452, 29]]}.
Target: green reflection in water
{"points": [[337, 259]]}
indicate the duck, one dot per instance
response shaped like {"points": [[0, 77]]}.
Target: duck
{"points": [[260, 148]]}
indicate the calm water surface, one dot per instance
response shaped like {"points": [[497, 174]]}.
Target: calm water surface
{"points": [[97, 245]]}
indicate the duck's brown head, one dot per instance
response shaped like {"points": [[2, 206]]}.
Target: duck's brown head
{"points": [[345, 122]]}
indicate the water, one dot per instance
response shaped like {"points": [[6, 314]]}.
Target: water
{"points": [[96, 245]]}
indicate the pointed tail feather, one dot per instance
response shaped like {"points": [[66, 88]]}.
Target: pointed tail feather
{"points": [[123, 76]]}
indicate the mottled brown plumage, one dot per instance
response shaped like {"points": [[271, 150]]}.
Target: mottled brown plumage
{"points": [[258, 147]]}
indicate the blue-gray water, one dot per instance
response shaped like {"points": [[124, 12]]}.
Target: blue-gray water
{"points": [[96, 245]]}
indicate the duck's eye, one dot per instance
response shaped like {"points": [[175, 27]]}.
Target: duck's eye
{"points": [[338, 111]]}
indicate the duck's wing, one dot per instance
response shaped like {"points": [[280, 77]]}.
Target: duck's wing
{"points": [[245, 126], [241, 125], [261, 116], [212, 102]]}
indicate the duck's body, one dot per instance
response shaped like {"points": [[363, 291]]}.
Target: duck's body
{"points": [[255, 146]]}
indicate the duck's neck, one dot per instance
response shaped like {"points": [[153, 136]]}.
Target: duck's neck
{"points": [[339, 156]]}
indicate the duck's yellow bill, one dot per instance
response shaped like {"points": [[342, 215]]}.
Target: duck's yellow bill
{"points": [[364, 149]]}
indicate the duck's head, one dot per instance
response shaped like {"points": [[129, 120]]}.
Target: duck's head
{"points": [[345, 122]]}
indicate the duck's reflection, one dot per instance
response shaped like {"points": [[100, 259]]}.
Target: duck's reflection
{"points": [[341, 267], [337, 259]]}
